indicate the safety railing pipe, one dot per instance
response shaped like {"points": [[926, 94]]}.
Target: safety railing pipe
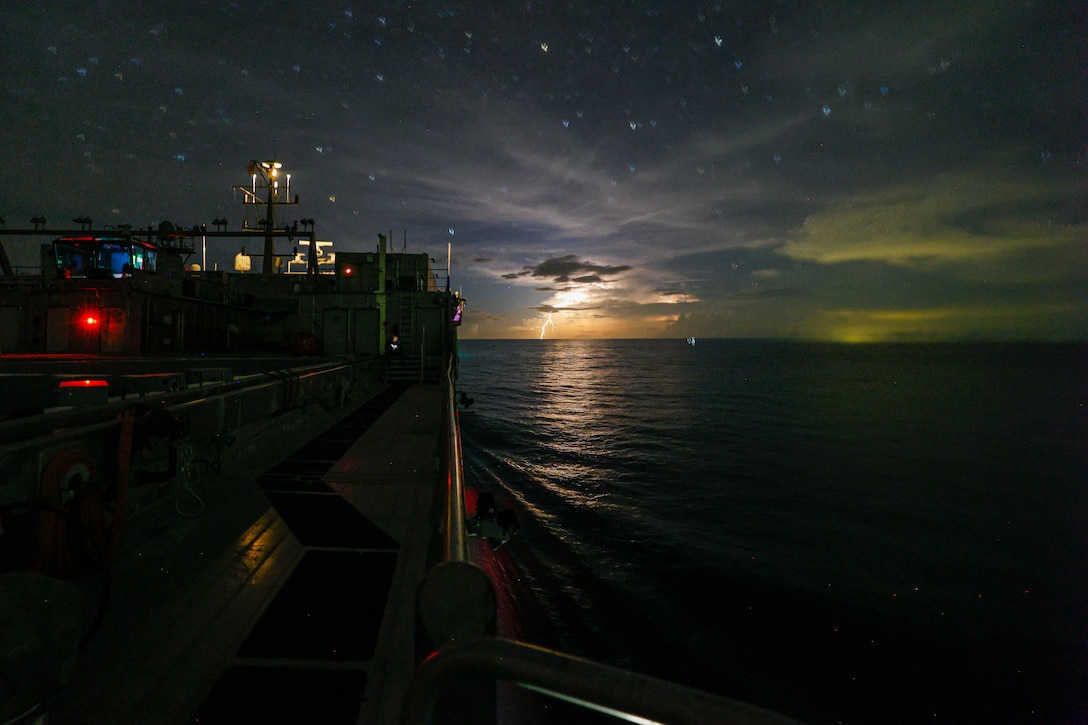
{"points": [[456, 544], [620, 693]]}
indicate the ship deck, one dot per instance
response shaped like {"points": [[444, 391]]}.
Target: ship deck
{"points": [[281, 594]]}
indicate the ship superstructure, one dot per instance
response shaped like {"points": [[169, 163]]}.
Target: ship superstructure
{"points": [[133, 291]]}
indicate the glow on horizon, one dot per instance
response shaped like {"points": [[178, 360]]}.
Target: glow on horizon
{"points": [[951, 323]]}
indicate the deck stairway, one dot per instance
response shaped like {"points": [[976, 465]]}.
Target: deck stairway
{"points": [[405, 367]]}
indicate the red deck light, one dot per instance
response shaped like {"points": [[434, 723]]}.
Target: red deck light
{"points": [[88, 316]]}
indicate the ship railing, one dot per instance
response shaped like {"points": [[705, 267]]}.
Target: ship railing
{"points": [[241, 410], [455, 545], [622, 694]]}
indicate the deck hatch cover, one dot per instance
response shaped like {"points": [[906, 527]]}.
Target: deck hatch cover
{"points": [[328, 521], [330, 608]]}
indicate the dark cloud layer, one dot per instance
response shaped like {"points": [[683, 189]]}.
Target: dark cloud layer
{"points": [[854, 171], [564, 269]]}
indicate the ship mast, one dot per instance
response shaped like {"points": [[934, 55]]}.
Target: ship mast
{"points": [[265, 177]]}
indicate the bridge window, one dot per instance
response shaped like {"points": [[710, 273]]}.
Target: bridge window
{"points": [[98, 259]]}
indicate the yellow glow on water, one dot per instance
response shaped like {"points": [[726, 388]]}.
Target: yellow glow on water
{"points": [[864, 326], [941, 323], [857, 336], [570, 406]]}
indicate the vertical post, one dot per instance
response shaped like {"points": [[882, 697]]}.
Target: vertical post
{"points": [[269, 240], [311, 256], [382, 302]]}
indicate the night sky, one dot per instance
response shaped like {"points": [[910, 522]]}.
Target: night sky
{"points": [[861, 171]]}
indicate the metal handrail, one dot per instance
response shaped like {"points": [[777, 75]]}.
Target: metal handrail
{"points": [[77, 419], [455, 546], [620, 693]]}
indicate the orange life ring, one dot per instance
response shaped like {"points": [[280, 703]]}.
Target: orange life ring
{"points": [[80, 528], [62, 469], [53, 554]]}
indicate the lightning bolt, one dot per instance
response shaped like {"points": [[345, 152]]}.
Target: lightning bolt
{"points": [[545, 325]]}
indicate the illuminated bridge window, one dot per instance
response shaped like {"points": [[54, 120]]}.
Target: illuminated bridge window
{"points": [[95, 258]]}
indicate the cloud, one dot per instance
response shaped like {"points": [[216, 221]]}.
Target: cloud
{"points": [[967, 220], [776, 292], [562, 269]]}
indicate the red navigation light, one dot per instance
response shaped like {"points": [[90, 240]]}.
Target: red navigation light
{"points": [[349, 271], [90, 320]]}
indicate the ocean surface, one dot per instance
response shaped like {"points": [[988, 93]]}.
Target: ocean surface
{"points": [[840, 533]]}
